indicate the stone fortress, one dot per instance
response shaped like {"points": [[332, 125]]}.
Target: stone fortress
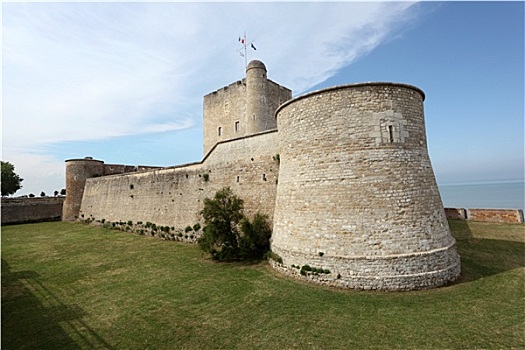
{"points": [[343, 173]]}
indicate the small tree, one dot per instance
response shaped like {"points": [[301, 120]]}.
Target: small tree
{"points": [[56, 193], [222, 215], [63, 192], [228, 234], [42, 194], [11, 182]]}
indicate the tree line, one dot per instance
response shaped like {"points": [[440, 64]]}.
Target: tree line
{"points": [[12, 182]]}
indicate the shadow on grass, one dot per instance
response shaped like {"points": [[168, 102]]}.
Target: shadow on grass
{"points": [[482, 257], [31, 322]]}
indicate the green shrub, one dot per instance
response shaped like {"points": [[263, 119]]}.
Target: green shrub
{"points": [[188, 229], [206, 177], [130, 223], [196, 227], [255, 240], [222, 216]]}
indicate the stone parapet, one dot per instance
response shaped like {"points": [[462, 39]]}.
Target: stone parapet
{"points": [[25, 210], [496, 215]]}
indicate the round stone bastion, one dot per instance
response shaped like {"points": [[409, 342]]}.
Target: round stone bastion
{"points": [[357, 203]]}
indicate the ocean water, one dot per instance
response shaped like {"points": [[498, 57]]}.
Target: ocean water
{"points": [[495, 195]]}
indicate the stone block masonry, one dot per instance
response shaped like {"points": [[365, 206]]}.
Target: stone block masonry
{"points": [[174, 196], [514, 216], [508, 216], [456, 213], [357, 193], [26, 210]]}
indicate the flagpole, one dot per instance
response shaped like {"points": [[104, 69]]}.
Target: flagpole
{"points": [[245, 53], [244, 42]]}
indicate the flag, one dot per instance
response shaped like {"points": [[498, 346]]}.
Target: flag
{"points": [[241, 40], [240, 53], [253, 47]]}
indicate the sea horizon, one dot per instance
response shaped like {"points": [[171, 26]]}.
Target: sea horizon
{"points": [[484, 195]]}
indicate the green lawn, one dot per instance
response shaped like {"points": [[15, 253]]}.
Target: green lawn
{"points": [[72, 286]]}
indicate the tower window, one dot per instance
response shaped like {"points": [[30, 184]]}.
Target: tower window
{"points": [[391, 133], [219, 130], [264, 177], [237, 126]]}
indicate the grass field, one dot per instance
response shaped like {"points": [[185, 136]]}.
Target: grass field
{"points": [[71, 286]]}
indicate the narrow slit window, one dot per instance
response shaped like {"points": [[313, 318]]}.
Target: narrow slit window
{"points": [[238, 178], [237, 126], [219, 131], [264, 177], [391, 133]]}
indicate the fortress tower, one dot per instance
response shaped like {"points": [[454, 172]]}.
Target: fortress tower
{"points": [[243, 108], [77, 172], [357, 194]]}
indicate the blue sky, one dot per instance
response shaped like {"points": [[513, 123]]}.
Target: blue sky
{"points": [[123, 82]]}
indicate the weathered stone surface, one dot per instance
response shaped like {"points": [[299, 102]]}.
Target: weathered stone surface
{"points": [[174, 196], [496, 215], [456, 213], [356, 186], [23, 210]]}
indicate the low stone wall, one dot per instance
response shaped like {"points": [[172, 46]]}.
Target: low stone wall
{"points": [[509, 216], [513, 216], [25, 210], [456, 213]]}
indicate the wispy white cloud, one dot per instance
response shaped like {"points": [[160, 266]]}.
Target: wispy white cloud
{"points": [[90, 71]]}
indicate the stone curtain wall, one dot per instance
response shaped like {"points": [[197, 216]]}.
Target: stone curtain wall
{"points": [[174, 196], [25, 210], [357, 194], [78, 171], [510, 216]]}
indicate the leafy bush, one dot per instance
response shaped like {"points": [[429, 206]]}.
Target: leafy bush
{"points": [[228, 235], [196, 227], [255, 240], [188, 229]]}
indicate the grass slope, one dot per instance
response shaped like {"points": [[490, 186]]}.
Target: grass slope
{"points": [[71, 286]]}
